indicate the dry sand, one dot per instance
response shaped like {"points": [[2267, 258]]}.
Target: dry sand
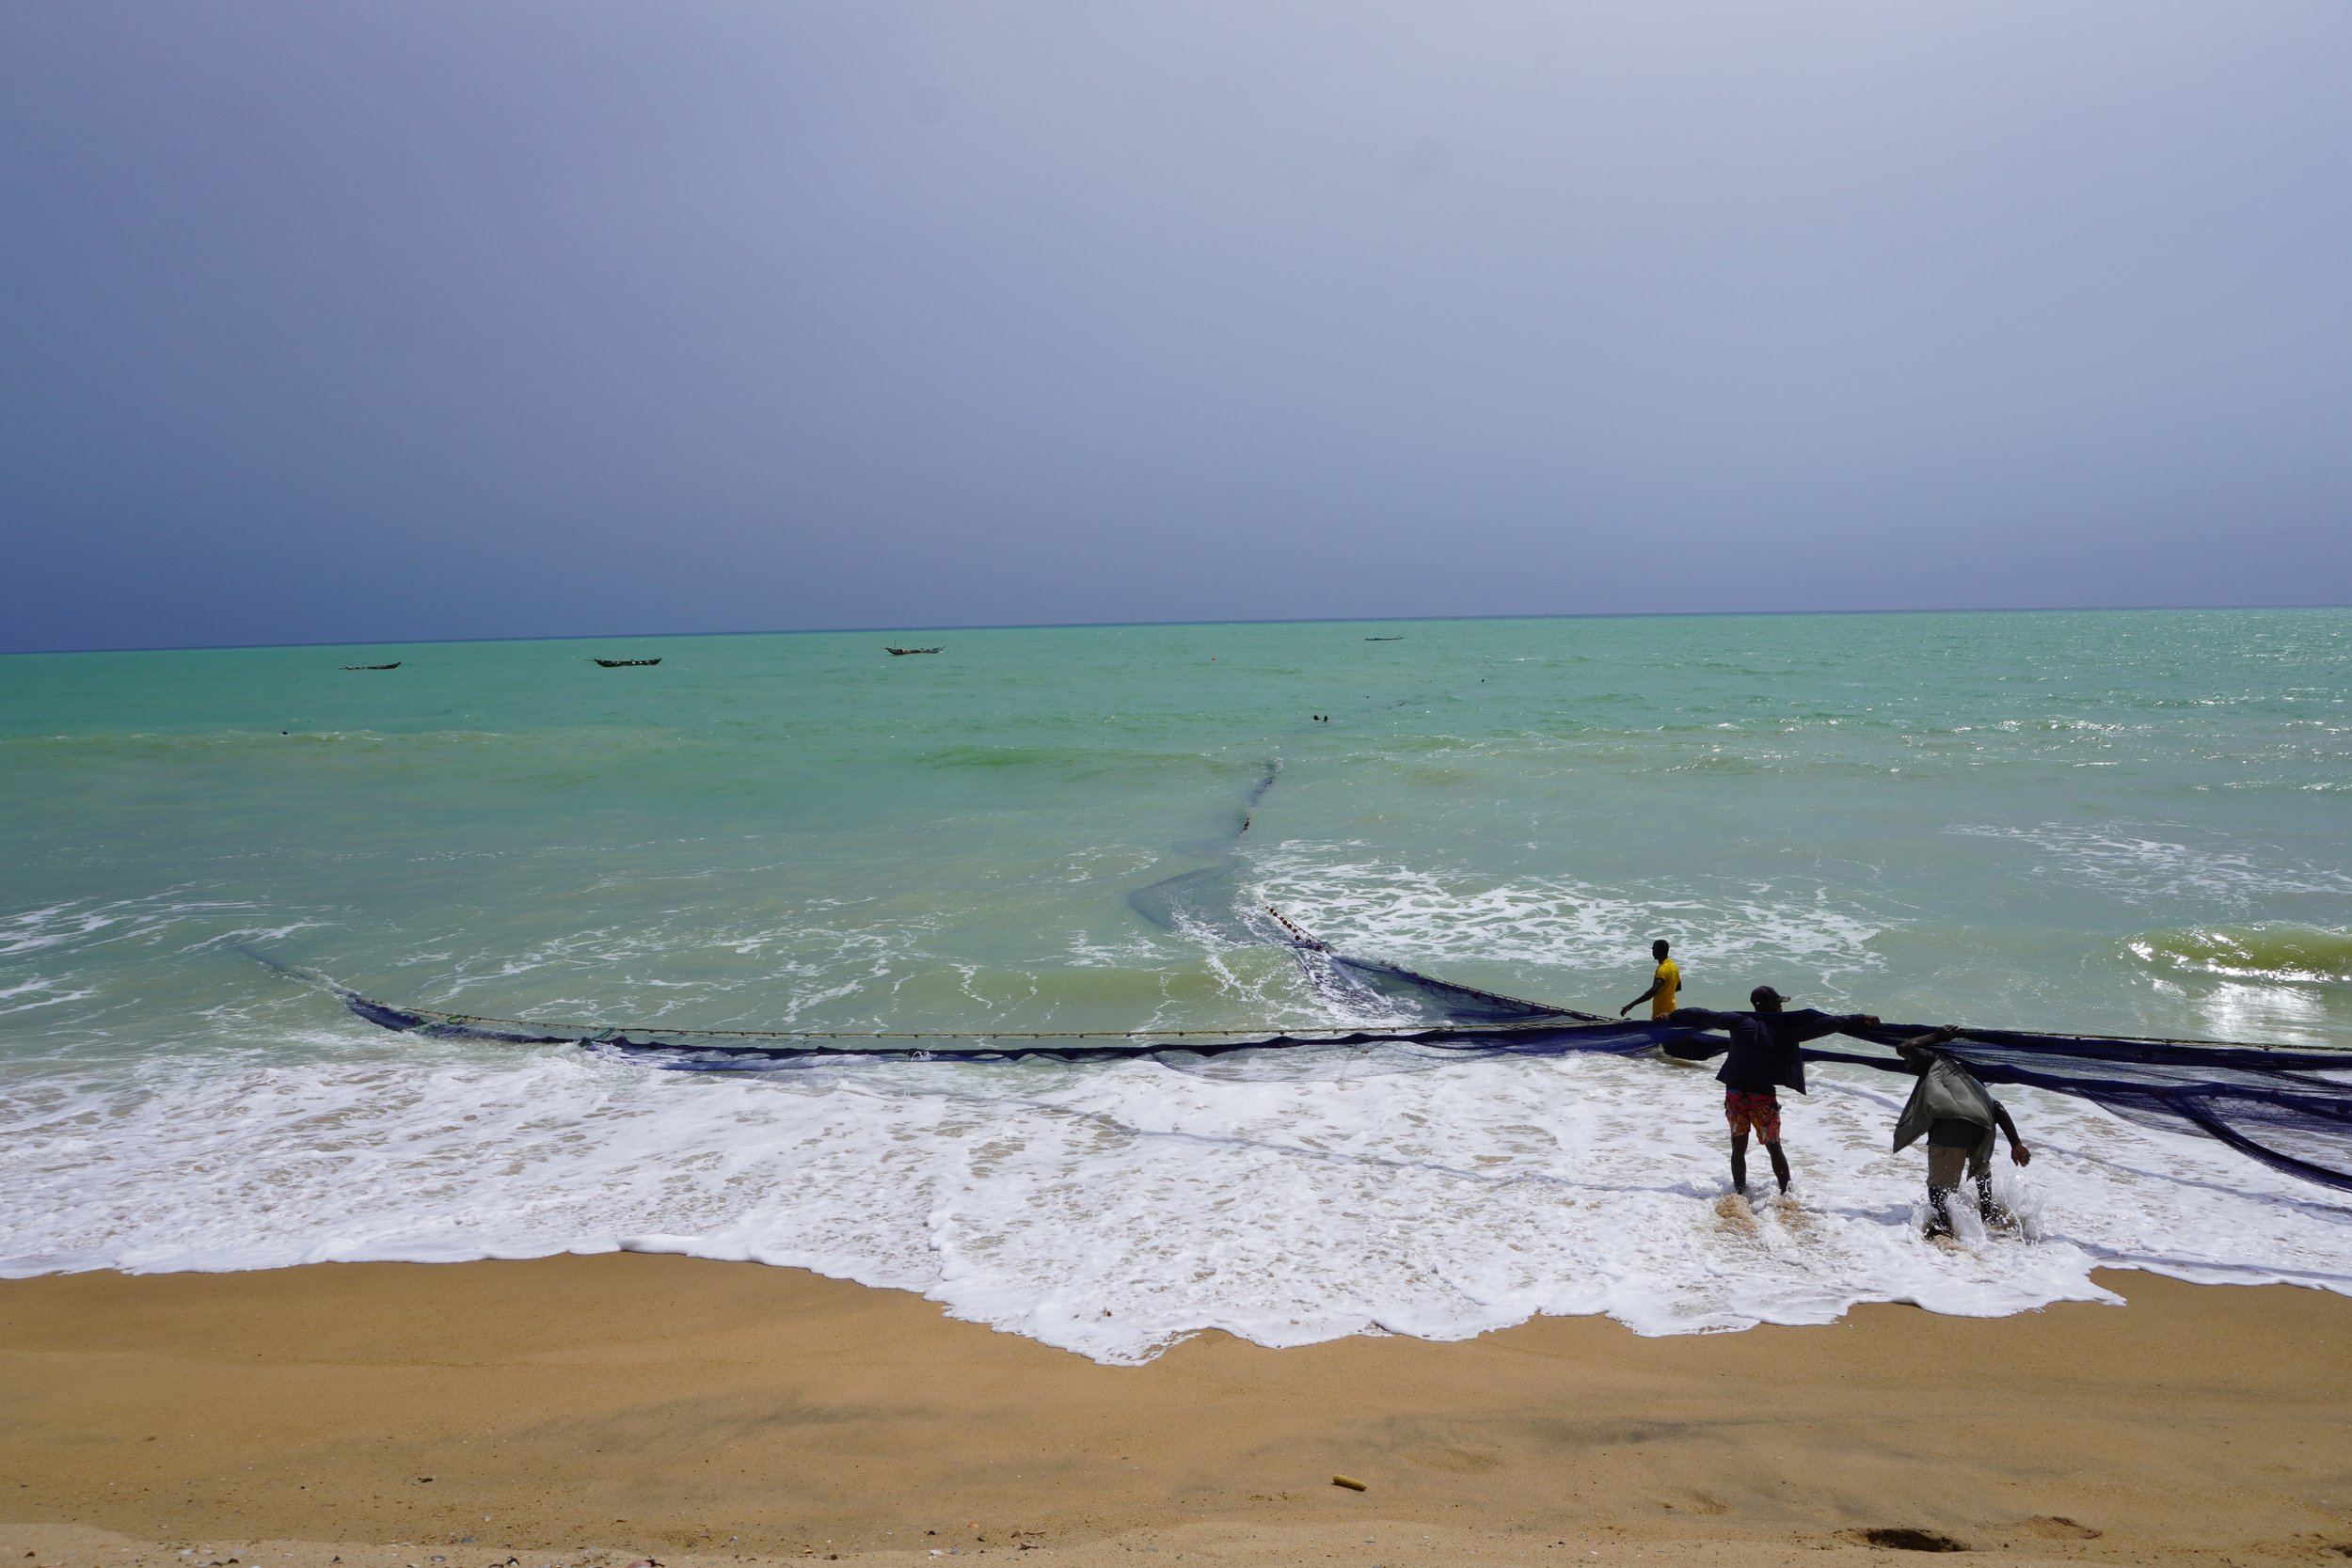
{"points": [[600, 1410]]}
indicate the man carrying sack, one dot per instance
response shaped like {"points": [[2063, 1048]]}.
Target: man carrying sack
{"points": [[1956, 1113]]}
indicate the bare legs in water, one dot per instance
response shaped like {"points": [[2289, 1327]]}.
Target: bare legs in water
{"points": [[1739, 1164]]}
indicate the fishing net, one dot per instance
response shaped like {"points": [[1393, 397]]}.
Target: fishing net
{"points": [[2291, 1110]]}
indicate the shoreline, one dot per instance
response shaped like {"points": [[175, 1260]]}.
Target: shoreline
{"points": [[676, 1407]]}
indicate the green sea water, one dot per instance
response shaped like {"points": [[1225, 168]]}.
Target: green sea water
{"points": [[2101, 822], [2096, 822]]}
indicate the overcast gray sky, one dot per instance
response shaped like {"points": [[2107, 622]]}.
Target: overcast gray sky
{"points": [[361, 321]]}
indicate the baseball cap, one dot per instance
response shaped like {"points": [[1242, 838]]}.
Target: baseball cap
{"points": [[1762, 994]]}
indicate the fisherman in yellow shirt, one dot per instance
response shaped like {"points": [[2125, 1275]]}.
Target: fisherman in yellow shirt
{"points": [[1663, 986]]}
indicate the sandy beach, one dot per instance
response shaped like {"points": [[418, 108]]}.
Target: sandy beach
{"points": [[620, 1406]]}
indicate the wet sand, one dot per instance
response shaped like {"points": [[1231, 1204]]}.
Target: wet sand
{"points": [[610, 1408]]}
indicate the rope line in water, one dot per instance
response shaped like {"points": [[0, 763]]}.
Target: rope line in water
{"points": [[1563, 1019], [600, 1031]]}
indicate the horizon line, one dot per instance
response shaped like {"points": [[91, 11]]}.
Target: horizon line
{"points": [[1210, 621]]}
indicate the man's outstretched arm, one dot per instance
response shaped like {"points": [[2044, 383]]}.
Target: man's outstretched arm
{"points": [[1699, 1018], [1915, 1051], [1639, 1000], [1831, 1023]]}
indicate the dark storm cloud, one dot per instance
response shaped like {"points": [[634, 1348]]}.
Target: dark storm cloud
{"points": [[440, 320]]}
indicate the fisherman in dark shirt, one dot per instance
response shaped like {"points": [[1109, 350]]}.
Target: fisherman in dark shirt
{"points": [[1763, 1058]]}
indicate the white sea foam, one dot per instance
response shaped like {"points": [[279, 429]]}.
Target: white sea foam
{"points": [[2160, 871], [1376, 907], [1112, 1210], [92, 922], [33, 929], [38, 992]]}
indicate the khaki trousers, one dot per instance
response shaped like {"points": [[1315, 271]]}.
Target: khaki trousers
{"points": [[1946, 1165]]}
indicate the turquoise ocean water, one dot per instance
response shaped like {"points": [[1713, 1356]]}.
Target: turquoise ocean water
{"points": [[2101, 822]]}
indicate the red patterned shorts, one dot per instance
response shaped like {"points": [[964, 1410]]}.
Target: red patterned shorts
{"points": [[1759, 1113]]}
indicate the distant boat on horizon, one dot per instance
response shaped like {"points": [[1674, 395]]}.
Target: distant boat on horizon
{"points": [[1398, 637], [393, 665], [888, 649], [626, 663]]}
